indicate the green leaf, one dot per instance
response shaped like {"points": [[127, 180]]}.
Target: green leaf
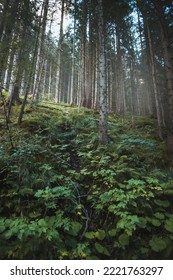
{"points": [[102, 250], [123, 239], [2, 226], [121, 224], [169, 226], [21, 234], [75, 228], [8, 234], [159, 215], [155, 222], [50, 220], [116, 244], [90, 234], [157, 244], [100, 234], [142, 222], [134, 219], [133, 183], [112, 208], [42, 223], [112, 232], [52, 234], [152, 181], [162, 203]]}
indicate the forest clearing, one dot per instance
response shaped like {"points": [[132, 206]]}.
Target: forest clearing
{"points": [[86, 129]]}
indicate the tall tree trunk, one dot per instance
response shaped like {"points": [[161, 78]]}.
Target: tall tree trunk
{"points": [[83, 54], [30, 76], [148, 100], [40, 55], [28, 83], [120, 106], [155, 86], [167, 60], [97, 77], [72, 96], [102, 77], [4, 18], [7, 36], [9, 69], [91, 54], [59, 59]]}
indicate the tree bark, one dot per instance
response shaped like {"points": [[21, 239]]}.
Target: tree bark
{"points": [[103, 137], [58, 73], [6, 37], [120, 98], [155, 86], [72, 97], [167, 61], [40, 55]]}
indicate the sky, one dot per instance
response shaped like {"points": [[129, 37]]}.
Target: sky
{"points": [[54, 18]]}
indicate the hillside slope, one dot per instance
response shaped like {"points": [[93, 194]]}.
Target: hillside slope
{"points": [[65, 197]]}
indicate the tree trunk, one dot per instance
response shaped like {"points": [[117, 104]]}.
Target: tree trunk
{"points": [[155, 86], [3, 20], [83, 54], [72, 96], [6, 37], [102, 78], [40, 55], [167, 61], [58, 73], [120, 100]]}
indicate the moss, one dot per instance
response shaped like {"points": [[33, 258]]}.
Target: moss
{"points": [[49, 171], [33, 124]]}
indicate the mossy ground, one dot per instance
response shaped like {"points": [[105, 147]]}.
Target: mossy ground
{"points": [[63, 196]]}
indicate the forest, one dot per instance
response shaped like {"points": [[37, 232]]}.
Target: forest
{"points": [[86, 129]]}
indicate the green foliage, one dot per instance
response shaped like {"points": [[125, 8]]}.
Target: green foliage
{"points": [[65, 197]]}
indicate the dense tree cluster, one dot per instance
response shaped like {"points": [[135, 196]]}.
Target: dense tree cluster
{"points": [[67, 191], [132, 38]]}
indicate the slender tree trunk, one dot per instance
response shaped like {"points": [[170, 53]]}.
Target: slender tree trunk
{"points": [[167, 61], [4, 19], [59, 59], [148, 100], [83, 54], [28, 85], [102, 77], [155, 86], [7, 31], [120, 105], [30, 78], [97, 77], [8, 74], [40, 55], [72, 81], [90, 60]]}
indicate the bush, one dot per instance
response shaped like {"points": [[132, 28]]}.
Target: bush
{"points": [[65, 197]]}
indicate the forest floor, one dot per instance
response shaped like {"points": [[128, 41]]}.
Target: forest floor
{"points": [[65, 197]]}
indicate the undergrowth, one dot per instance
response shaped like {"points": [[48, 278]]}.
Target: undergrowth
{"points": [[65, 197]]}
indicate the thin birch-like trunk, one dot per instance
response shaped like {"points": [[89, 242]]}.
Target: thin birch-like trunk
{"points": [[58, 72], [103, 137]]}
